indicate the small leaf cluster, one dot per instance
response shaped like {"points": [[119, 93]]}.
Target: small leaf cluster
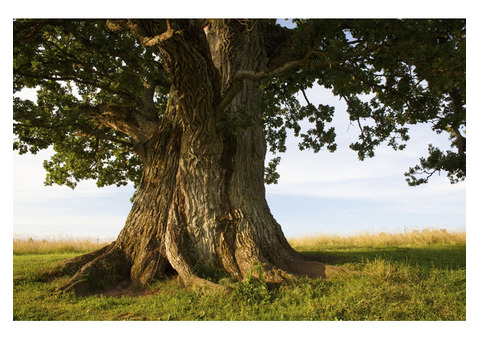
{"points": [[254, 288], [450, 162]]}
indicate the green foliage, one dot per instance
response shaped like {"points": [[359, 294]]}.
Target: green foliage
{"points": [[254, 288], [271, 174], [451, 162]]}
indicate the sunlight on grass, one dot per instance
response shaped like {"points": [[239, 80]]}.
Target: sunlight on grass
{"points": [[366, 239], [27, 245], [416, 275]]}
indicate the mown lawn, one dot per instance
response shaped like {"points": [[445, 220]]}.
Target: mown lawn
{"points": [[404, 281]]}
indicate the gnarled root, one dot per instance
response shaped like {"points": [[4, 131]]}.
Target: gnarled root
{"points": [[105, 268], [205, 285], [98, 271], [294, 268]]}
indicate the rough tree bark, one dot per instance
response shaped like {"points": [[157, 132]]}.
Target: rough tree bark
{"points": [[200, 206]]}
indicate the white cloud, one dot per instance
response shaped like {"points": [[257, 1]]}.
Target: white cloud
{"points": [[29, 176]]}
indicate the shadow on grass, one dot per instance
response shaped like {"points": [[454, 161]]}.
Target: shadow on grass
{"points": [[441, 257]]}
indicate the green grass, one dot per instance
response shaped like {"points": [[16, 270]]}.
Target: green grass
{"points": [[407, 281]]}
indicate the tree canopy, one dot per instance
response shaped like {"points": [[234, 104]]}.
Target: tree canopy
{"points": [[90, 73]]}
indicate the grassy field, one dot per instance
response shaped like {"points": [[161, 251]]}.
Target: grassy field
{"points": [[416, 275]]}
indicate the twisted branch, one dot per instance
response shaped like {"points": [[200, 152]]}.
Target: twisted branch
{"points": [[241, 75], [123, 119]]}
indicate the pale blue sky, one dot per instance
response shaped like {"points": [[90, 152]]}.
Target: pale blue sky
{"points": [[317, 193]]}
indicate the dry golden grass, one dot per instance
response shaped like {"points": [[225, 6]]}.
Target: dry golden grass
{"points": [[24, 245], [407, 238]]}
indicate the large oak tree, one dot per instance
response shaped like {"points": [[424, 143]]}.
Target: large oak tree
{"points": [[187, 109]]}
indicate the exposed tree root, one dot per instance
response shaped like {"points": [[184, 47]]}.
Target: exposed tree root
{"points": [[73, 265], [110, 271], [103, 269], [291, 268], [205, 285]]}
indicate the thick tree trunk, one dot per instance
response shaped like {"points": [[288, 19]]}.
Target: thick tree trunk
{"points": [[200, 208]]}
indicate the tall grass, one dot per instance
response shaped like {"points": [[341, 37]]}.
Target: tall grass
{"points": [[28, 245], [52, 245], [366, 239]]}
